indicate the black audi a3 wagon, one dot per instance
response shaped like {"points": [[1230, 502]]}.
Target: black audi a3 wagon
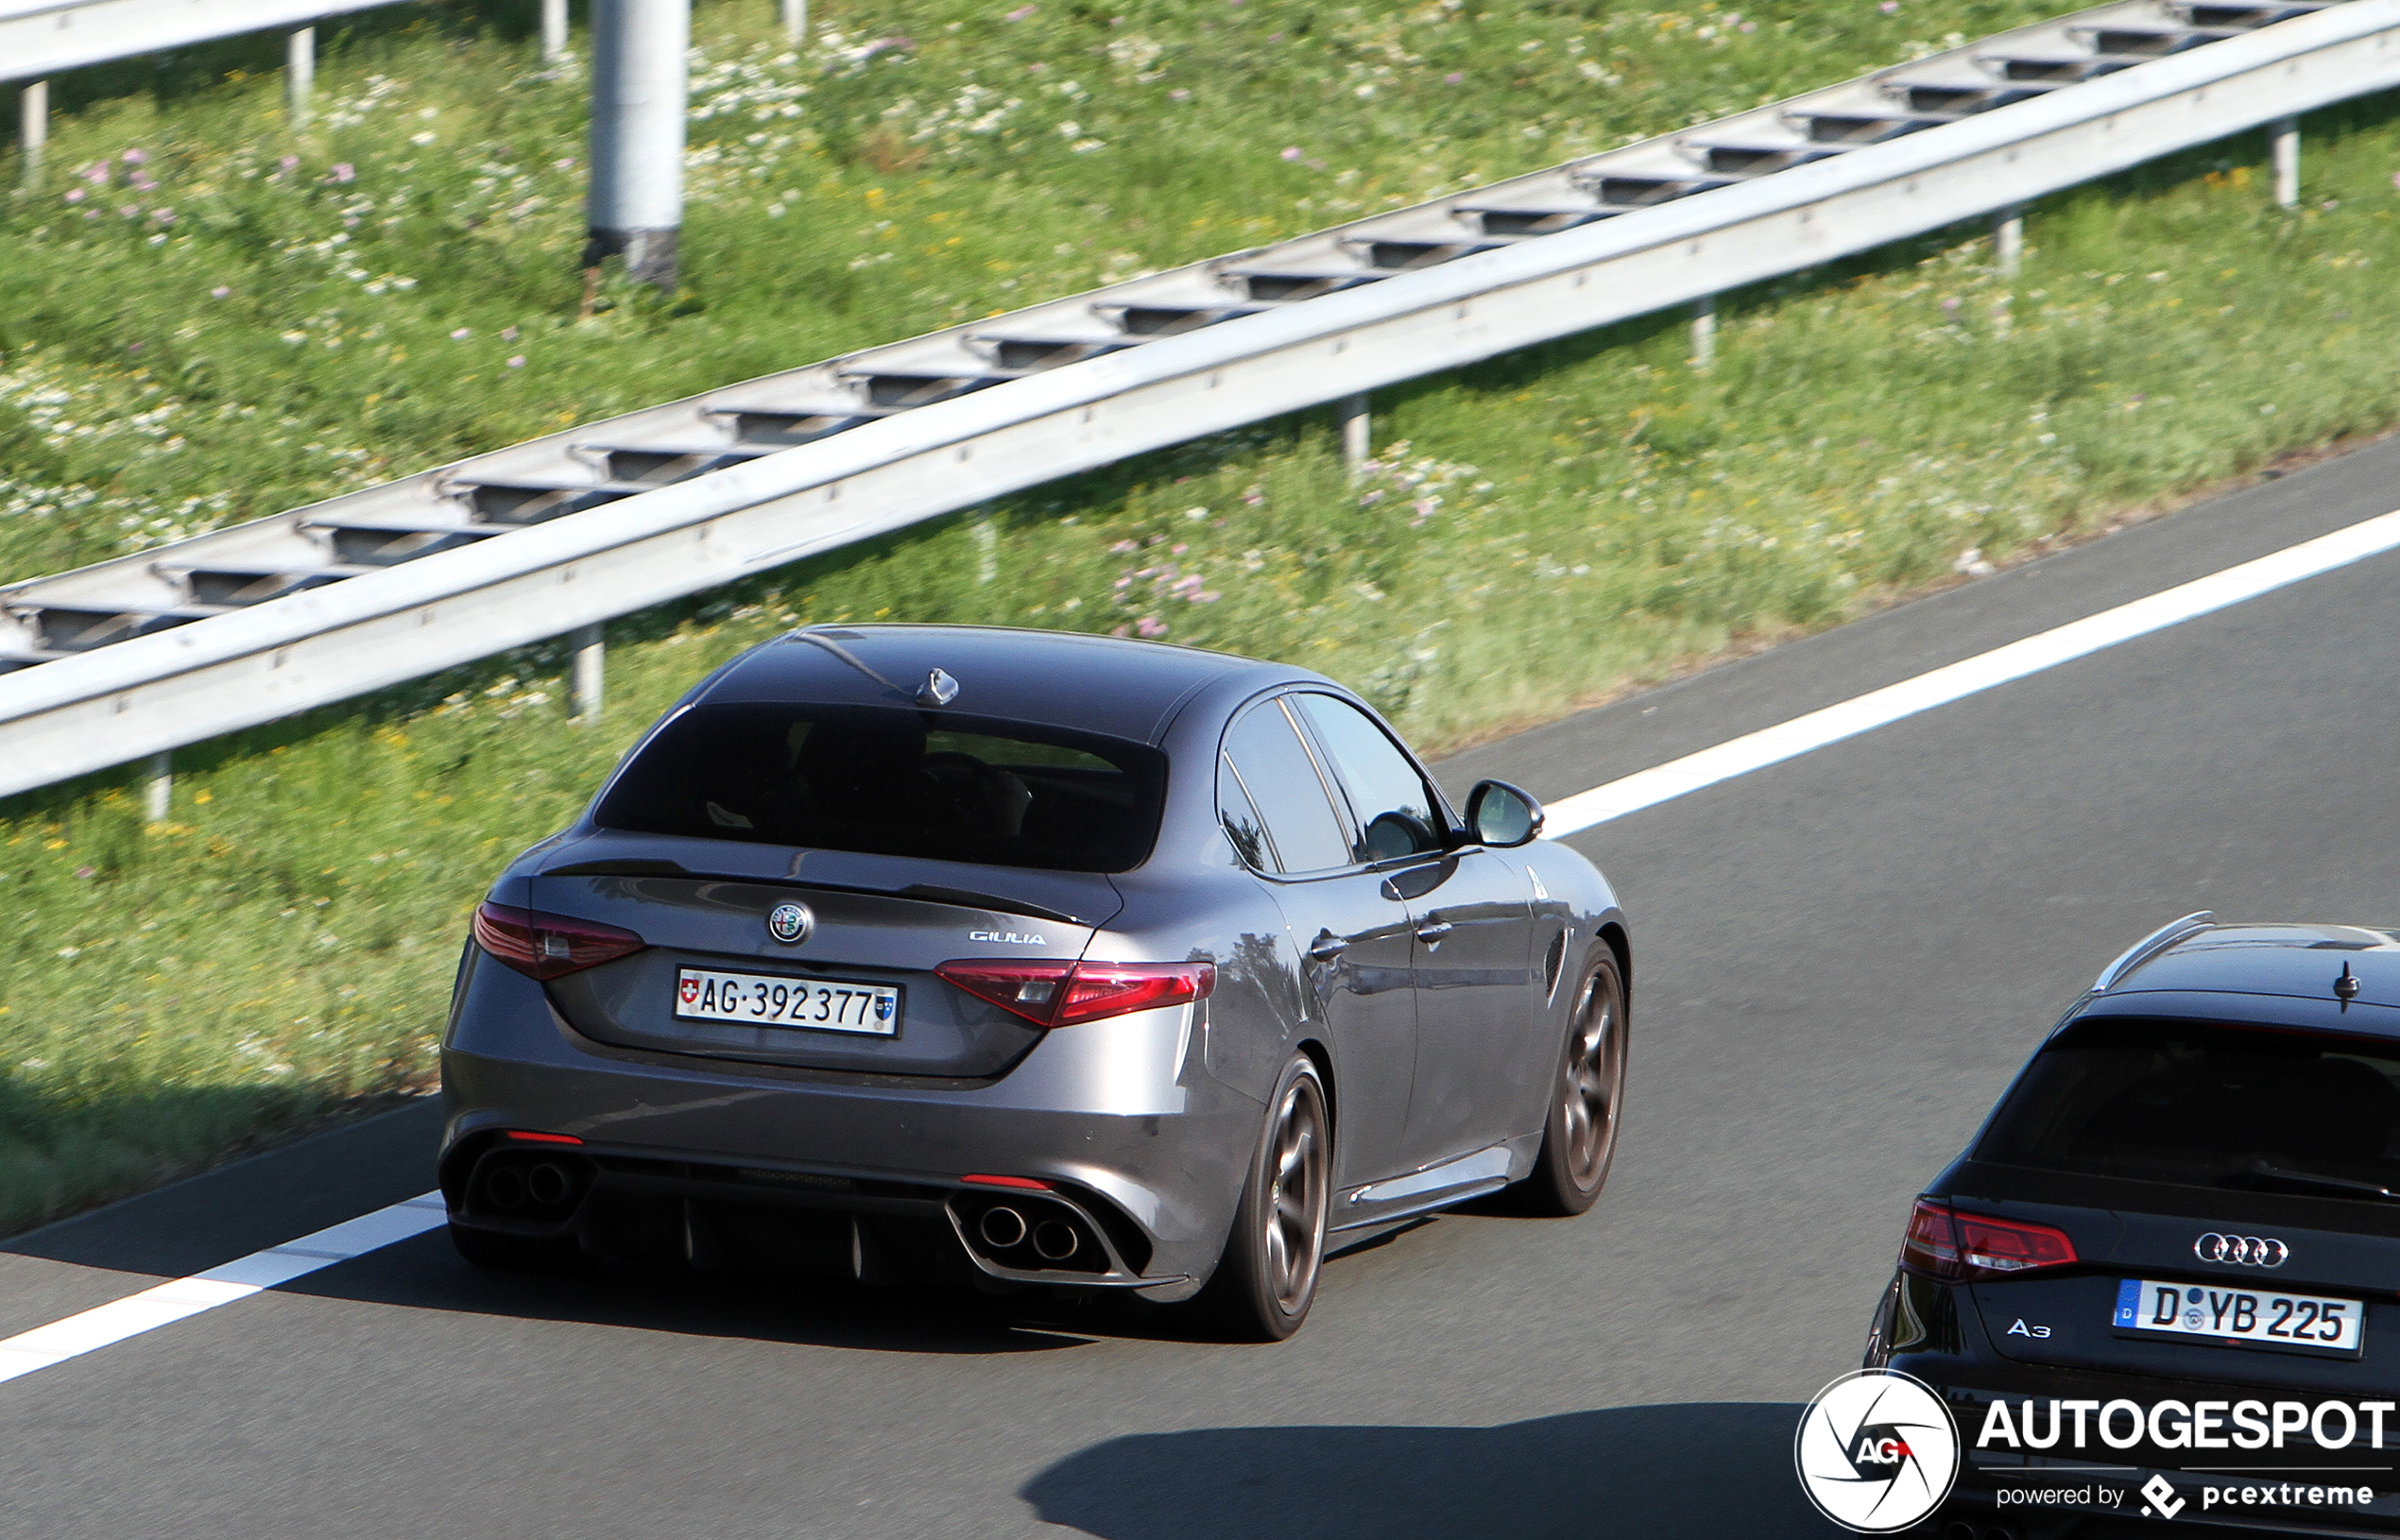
{"points": [[2162, 1286]]}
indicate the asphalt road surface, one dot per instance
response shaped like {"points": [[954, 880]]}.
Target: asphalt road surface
{"points": [[1838, 963]]}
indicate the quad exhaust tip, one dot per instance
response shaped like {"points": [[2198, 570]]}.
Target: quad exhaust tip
{"points": [[548, 1183], [1055, 1240], [542, 1187], [1003, 1227]]}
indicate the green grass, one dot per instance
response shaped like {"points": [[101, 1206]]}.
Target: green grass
{"points": [[1543, 528]]}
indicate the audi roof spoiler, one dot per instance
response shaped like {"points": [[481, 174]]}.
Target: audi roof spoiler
{"points": [[2151, 946]]}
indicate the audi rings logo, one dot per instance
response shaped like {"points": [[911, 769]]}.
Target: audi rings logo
{"points": [[2241, 1250], [1877, 1451]]}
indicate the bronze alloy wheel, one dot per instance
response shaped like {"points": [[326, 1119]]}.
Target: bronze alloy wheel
{"points": [[1295, 1211], [1592, 1086], [1578, 1140], [1267, 1279]]}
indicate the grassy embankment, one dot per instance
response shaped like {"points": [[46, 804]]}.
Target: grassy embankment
{"points": [[206, 318]]}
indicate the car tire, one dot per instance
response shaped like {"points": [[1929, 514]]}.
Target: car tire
{"points": [[1267, 1278], [513, 1253], [1586, 1101]]}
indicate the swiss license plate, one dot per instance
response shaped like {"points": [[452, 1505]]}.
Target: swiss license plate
{"points": [[2236, 1317], [780, 1001]]}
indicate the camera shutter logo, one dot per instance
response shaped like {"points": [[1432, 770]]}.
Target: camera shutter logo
{"points": [[790, 923], [2241, 1250], [1877, 1451]]}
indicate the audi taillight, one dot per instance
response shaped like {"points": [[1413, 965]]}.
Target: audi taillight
{"points": [[546, 946], [1946, 1244], [1057, 994]]}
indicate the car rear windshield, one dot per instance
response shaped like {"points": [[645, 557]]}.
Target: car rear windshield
{"points": [[895, 782], [2208, 1106]]}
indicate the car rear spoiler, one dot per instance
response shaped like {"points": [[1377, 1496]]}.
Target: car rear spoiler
{"points": [[2151, 946]]}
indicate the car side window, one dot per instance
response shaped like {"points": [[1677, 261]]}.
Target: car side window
{"points": [[1284, 790], [1397, 811], [1242, 825]]}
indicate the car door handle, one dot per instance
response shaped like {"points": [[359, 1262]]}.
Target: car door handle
{"points": [[1432, 931], [1328, 946]]}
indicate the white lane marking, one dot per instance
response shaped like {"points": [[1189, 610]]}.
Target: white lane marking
{"points": [[238, 1279], [1789, 740]]}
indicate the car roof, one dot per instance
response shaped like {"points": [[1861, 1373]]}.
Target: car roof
{"points": [[1111, 685], [2226, 969]]}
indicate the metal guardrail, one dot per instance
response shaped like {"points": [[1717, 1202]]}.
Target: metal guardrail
{"points": [[40, 38], [186, 641]]}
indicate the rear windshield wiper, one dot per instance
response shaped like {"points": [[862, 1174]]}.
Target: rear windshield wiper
{"points": [[2311, 1182]]}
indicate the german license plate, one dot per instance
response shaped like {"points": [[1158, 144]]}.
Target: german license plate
{"points": [[2235, 1317], [780, 1001]]}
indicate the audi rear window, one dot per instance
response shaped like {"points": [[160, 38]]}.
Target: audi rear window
{"points": [[2202, 1104], [897, 783]]}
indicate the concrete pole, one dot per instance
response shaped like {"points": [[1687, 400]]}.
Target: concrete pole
{"points": [[1703, 332], [33, 129], [1358, 431], [588, 676], [2008, 240], [300, 74], [158, 786], [638, 93], [795, 20], [2283, 142], [553, 29]]}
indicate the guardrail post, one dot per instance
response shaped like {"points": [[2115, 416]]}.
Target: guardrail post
{"points": [[795, 20], [553, 29], [986, 546], [1703, 332], [158, 786], [638, 85], [300, 74], [587, 675], [1358, 431], [2283, 143], [33, 129], [2008, 240]]}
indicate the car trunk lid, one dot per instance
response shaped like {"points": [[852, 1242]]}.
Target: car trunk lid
{"points": [[871, 923], [2151, 1233]]}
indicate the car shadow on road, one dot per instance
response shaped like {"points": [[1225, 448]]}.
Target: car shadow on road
{"points": [[1705, 1470], [424, 1273]]}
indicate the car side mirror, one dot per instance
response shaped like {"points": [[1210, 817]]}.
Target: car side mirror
{"points": [[1502, 816]]}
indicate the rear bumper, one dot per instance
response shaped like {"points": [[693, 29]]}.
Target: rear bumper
{"points": [[721, 1161]]}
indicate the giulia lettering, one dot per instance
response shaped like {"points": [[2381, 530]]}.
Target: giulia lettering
{"points": [[1006, 938]]}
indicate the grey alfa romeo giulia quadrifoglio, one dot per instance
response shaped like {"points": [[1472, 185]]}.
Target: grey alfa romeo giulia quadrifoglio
{"points": [[1033, 959]]}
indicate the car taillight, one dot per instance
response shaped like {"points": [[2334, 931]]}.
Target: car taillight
{"points": [[1053, 994], [546, 946], [1944, 1243]]}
